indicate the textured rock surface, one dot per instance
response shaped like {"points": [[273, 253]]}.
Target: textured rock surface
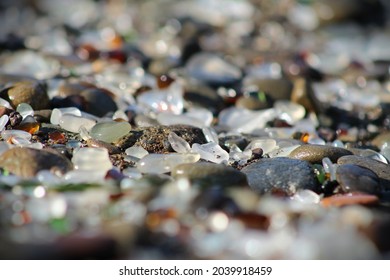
{"points": [[154, 139], [26, 162], [280, 175]]}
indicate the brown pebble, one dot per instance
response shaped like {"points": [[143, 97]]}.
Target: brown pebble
{"points": [[315, 153], [29, 92]]}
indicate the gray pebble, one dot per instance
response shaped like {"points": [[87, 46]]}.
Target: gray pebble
{"points": [[381, 169], [283, 175], [352, 178]]}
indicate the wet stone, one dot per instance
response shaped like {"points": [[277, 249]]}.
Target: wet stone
{"points": [[26, 162], [381, 169], [315, 153], [210, 174], [355, 178], [280, 175], [32, 93], [154, 139]]}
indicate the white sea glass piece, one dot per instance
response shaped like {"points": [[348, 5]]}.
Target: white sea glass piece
{"points": [[163, 163], [211, 152], [73, 123], [178, 144]]}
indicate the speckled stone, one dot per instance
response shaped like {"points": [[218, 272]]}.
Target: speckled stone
{"points": [[315, 153], [154, 139], [381, 169], [353, 178], [30, 92], [280, 175], [210, 174], [26, 162]]}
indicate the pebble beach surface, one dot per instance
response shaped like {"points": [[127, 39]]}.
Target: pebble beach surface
{"points": [[220, 129]]}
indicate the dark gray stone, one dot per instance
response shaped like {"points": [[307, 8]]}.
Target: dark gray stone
{"points": [[98, 102], [381, 169], [352, 178], [283, 175]]}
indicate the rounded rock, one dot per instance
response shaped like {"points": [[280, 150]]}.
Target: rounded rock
{"points": [[381, 169], [98, 102], [355, 178], [280, 175], [32, 93], [26, 162], [315, 153]]}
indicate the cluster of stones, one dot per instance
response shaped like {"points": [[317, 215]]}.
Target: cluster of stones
{"points": [[183, 143]]}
